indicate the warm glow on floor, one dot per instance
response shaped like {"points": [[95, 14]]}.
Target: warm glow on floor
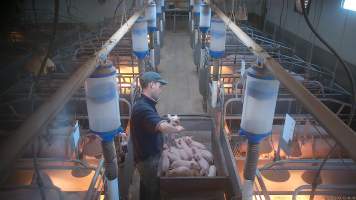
{"points": [[126, 69], [224, 70], [64, 180], [289, 197]]}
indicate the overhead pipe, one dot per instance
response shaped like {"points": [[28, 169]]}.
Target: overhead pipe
{"points": [[341, 132], [16, 143]]}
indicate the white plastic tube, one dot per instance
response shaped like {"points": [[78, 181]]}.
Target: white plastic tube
{"points": [[113, 189], [202, 55], [152, 58], [247, 190], [214, 93]]}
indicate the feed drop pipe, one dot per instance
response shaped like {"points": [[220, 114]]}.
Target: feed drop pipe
{"points": [[195, 21], [151, 18], [191, 22], [16, 143], [341, 132], [257, 118], [102, 101], [140, 42], [161, 24], [204, 25], [216, 51], [159, 21]]}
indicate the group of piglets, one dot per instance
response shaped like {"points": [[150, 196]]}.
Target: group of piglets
{"points": [[186, 157]]}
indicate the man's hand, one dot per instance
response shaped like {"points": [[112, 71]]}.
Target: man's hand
{"points": [[165, 127]]}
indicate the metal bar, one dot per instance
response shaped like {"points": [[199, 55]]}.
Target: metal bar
{"points": [[11, 148], [310, 161], [93, 182], [262, 185], [337, 188], [322, 192], [342, 133]]}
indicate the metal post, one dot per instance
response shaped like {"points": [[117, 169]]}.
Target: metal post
{"points": [[141, 66], [202, 51], [161, 32], [152, 48], [250, 170], [111, 169], [214, 84]]}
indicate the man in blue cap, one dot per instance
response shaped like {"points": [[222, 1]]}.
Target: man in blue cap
{"points": [[147, 129]]}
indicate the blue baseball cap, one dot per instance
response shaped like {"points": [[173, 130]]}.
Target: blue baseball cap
{"points": [[152, 76]]}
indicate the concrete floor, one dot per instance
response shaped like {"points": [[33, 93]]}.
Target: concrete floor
{"points": [[181, 95]]}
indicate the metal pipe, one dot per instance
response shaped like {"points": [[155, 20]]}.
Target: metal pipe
{"points": [[324, 187], [342, 133], [195, 31], [161, 32], [312, 161], [88, 194], [262, 185], [250, 170], [16, 143], [151, 44], [141, 66], [152, 58], [111, 169]]}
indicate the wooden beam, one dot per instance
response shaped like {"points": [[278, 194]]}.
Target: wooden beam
{"points": [[13, 147], [341, 132]]}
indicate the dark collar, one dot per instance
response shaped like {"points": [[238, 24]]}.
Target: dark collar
{"points": [[149, 100]]}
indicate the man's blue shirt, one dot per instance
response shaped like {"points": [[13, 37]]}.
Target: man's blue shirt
{"points": [[147, 139]]}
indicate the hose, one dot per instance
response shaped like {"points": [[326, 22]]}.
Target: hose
{"points": [[251, 161], [110, 160]]}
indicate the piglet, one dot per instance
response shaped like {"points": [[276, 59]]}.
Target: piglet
{"points": [[193, 143], [173, 154], [180, 171], [206, 155], [184, 155], [164, 162], [204, 165], [184, 163], [186, 148]]}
